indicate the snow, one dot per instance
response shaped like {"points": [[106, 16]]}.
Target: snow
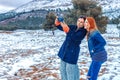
{"points": [[110, 8], [21, 64], [32, 55], [41, 4]]}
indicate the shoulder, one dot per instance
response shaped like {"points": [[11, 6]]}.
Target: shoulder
{"points": [[95, 33], [72, 27], [83, 29]]}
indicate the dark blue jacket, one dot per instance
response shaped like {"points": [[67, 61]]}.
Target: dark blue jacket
{"points": [[96, 45], [70, 49]]}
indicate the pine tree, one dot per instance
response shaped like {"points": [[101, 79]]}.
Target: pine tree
{"points": [[87, 8], [49, 22]]}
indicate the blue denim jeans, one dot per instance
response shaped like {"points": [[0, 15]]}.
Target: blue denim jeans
{"points": [[69, 71], [94, 70]]}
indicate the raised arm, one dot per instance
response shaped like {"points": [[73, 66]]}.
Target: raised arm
{"points": [[61, 26]]}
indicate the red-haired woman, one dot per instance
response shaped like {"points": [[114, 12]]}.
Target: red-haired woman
{"points": [[96, 45]]}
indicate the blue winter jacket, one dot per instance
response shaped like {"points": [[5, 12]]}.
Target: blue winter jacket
{"points": [[70, 49], [96, 45]]}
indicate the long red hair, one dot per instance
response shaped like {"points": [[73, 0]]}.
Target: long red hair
{"points": [[92, 23]]}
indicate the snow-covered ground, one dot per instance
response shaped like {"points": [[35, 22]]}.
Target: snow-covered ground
{"points": [[32, 55]]}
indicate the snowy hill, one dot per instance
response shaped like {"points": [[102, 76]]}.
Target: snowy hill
{"points": [[110, 7], [44, 4]]}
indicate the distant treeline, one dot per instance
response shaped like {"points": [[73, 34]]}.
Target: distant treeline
{"points": [[44, 19], [25, 20]]}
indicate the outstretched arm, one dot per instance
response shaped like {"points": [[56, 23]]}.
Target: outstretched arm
{"points": [[61, 26]]}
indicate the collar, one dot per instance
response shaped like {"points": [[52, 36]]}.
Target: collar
{"points": [[93, 33]]}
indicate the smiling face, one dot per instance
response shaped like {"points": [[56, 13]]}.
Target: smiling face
{"points": [[86, 25], [80, 22]]}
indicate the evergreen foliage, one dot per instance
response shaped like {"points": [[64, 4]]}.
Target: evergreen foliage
{"points": [[80, 7], [87, 8], [49, 22], [29, 23]]}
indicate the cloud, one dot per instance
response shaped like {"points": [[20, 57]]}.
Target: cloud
{"points": [[4, 9], [13, 3], [6, 5]]}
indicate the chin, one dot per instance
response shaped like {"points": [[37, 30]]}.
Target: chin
{"points": [[85, 27]]}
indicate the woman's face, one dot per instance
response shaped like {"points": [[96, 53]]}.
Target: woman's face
{"points": [[86, 25], [80, 22]]}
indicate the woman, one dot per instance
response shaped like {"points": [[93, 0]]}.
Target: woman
{"points": [[70, 49], [96, 45]]}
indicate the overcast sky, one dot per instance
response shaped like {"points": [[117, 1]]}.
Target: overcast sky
{"points": [[6, 5]]}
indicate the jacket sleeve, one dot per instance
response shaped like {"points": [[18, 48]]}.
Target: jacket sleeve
{"points": [[99, 41], [62, 26]]}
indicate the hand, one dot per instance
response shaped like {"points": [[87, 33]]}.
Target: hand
{"points": [[57, 23], [60, 19]]}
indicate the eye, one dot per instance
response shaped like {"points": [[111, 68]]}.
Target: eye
{"points": [[81, 22]]}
